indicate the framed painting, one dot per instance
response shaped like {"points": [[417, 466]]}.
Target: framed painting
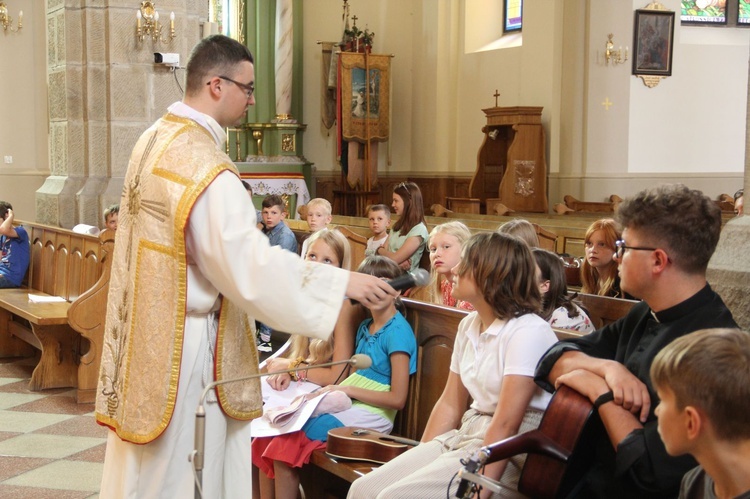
{"points": [[653, 38], [365, 96]]}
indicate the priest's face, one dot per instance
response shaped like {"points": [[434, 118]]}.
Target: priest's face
{"points": [[239, 93]]}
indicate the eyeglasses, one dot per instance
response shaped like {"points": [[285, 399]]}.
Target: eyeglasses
{"points": [[621, 247], [249, 89]]}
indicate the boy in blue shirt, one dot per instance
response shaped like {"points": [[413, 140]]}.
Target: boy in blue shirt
{"points": [[274, 212], [14, 245], [279, 234]]}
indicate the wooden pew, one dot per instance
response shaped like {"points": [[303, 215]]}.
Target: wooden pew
{"points": [[603, 310], [87, 315], [435, 327], [62, 264]]}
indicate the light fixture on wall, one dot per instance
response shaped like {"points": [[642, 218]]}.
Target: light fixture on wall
{"points": [[612, 55], [7, 21], [147, 23]]}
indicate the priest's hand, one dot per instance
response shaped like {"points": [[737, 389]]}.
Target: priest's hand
{"points": [[370, 291]]}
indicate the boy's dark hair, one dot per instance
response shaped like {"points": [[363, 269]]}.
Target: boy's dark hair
{"points": [[111, 210], [274, 200], [247, 187], [4, 207], [215, 55], [710, 369], [685, 223], [378, 207]]}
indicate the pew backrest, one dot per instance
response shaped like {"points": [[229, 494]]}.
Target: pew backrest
{"points": [[603, 310]]}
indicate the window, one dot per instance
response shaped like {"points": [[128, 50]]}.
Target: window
{"points": [[513, 18]]}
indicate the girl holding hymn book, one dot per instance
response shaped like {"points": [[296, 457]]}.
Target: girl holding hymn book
{"points": [[496, 351], [374, 394]]}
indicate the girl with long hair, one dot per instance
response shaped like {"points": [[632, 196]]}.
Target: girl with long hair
{"points": [[557, 307], [407, 239], [599, 269]]}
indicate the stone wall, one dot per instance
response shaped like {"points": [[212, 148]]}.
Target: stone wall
{"points": [[104, 91]]}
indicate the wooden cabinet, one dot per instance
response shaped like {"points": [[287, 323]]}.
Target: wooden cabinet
{"points": [[511, 163]]}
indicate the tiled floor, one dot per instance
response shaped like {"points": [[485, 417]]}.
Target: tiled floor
{"points": [[50, 446]]}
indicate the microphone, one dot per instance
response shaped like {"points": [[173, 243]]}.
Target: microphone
{"points": [[359, 361], [417, 277], [465, 489]]}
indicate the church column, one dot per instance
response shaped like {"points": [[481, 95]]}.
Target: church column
{"points": [[55, 199], [104, 91], [729, 269], [284, 58]]}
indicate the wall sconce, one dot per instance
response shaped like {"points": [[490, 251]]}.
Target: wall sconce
{"points": [[7, 21], [147, 23], [612, 55]]}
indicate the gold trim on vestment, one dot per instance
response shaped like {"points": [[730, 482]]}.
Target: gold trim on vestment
{"points": [[163, 191]]}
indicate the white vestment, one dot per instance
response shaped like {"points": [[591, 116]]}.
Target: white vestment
{"points": [[227, 255]]}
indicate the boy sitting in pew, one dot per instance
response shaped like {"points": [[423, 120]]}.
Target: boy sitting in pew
{"points": [[318, 217], [703, 381]]}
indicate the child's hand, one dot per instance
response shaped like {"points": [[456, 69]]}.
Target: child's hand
{"points": [[10, 216], [278, 364], [280, 382]]}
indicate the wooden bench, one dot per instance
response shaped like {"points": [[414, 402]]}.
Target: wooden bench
{"points": [[603, 310], [63, 264], [435, 327]]}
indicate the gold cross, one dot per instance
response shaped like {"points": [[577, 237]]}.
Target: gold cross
{"points": [[496, 95], [606, 103]]}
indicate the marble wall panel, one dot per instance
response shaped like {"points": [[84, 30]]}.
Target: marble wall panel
{"points": [[129, 93], [77, 149], [98, 148], [52, 60], [60, 36], [75, 92], [97, 92], [124, 137], [74, 36], [96, 36], [58, 107]]}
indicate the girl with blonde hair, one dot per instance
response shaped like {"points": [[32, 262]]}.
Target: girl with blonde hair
{"points": [[328, 247], [444, 244]]}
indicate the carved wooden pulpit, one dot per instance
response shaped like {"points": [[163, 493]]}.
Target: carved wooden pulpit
{"points": [[511, 163]]}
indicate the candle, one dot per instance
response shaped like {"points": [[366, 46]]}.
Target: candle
{"points": [[20, 18], [171, 21], [156, 17], [138, 18]]}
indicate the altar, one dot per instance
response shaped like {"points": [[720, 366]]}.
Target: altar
{"points": [[290, 179]]}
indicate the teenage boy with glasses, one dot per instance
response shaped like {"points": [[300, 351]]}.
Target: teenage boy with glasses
{"points": [[669, 234]]}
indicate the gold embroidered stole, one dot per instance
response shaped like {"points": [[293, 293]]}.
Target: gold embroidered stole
{"points": [[172, 164]]}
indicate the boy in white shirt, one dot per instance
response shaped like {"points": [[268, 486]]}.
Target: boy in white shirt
{"points": [[379, 217]]}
